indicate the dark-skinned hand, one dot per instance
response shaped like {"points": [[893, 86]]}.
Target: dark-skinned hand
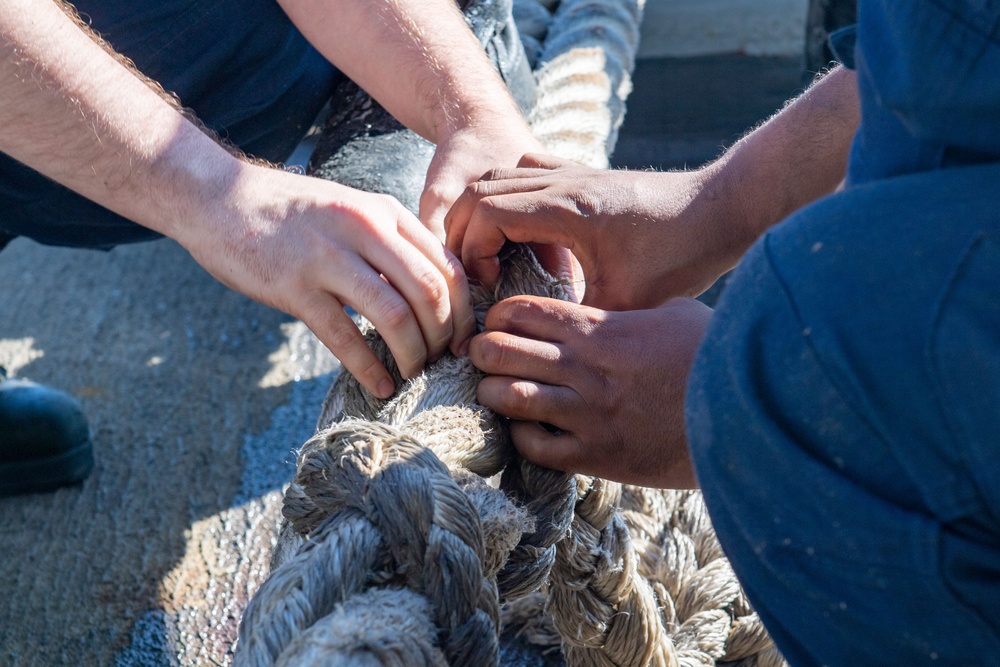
{"points": [[640, 237], [592, 391]]}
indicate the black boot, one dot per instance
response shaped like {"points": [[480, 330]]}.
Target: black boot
{"points": [[44, 438]]}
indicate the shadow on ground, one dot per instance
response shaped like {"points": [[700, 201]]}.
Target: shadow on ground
{"points": [[197, 397]]}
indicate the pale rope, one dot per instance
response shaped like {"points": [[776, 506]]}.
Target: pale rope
{"points": [[385, 539], [584, 75], [373, 506]]}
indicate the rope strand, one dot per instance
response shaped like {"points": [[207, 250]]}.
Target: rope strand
{"points": [[396, 551]]}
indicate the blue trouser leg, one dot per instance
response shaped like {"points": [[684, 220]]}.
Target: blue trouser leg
{"points": [[239, 64], [844, 419]]}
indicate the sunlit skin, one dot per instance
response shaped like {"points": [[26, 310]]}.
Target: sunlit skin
{"points": [[75, 112], [610, 383], [598, 388]]}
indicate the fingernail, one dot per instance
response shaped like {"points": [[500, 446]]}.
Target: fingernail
{"points": [[386, 388], [463, 349]]}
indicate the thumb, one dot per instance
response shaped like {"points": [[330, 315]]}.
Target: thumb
{"points": [[433, 209]]}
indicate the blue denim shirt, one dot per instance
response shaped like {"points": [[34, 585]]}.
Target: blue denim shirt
{"points": [[841, 410], [227, 60], [929, 81]]}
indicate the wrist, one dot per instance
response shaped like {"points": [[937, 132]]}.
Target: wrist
{"points": [[499, 119], [736, 216], [794, 158], [701, 227], [201, 187]]}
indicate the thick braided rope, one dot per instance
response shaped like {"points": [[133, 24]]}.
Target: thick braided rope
{"points": [[666, 595], [643, 584], [381, 512], [389, 500], [585, 56], [703, 608], [683, 606], [548, 495], [605, 613]]}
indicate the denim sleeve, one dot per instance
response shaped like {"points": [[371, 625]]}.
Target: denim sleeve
{"points": [[934, 65]]}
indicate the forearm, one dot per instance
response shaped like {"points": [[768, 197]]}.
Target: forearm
{"points": [[796, 157], [430, 71], [72, 111]]}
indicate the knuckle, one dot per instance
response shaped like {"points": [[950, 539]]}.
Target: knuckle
{"points": [[521, 398], [435, 190], [368, 293], [429, 195], [329, 254], [342, 337], [388, 201], [583, 205], [494, 174], [435, 197], [488, 205], [379, 302], [478, 190], [452, 270], [394, 312], [394, 209], [490, 352], [432, 286], [472, 190], [512, 312]]}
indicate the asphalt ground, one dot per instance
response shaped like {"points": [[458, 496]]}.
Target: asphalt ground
{"points": [[683, 112]]}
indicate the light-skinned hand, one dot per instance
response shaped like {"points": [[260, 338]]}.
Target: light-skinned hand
{"points": [[456, 172], [310, 247]]}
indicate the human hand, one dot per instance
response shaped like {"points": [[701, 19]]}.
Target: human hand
{"points": [[463, 158], [612, 383], [641, 237], [310, 247], [306, 246]]}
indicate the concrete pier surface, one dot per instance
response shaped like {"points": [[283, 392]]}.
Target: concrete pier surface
{"points": [[197, 398]]}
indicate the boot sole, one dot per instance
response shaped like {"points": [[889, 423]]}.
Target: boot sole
{"points": [[48, 474]]}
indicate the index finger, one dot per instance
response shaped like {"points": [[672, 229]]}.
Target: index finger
{"points": [[541, 318], [324, 315], [522, 217], [463, 319], [493, 183]]}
